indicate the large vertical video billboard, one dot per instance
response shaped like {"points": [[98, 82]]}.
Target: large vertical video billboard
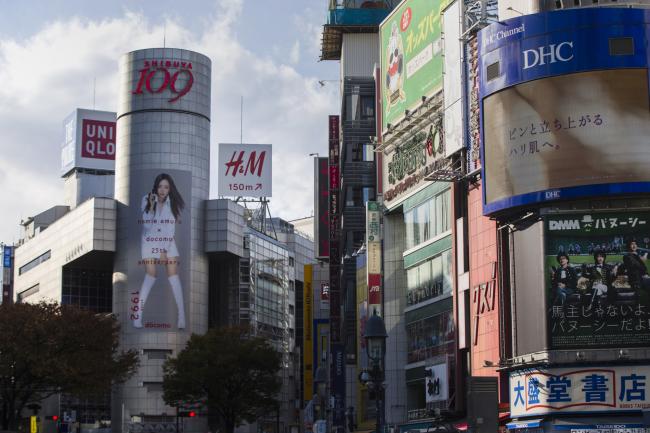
{"points": [[159, 248], [597, 280]]}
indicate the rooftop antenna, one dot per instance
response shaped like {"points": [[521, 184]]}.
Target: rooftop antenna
{"points": [[94, 90], [241, 120], [165, 34]]}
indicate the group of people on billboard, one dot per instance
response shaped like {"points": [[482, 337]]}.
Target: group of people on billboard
{"points": [[601, 283]]}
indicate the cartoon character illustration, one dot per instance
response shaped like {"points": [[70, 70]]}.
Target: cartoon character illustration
{"points": [[394, 65]]}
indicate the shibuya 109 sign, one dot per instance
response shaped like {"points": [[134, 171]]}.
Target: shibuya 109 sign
{"points": [[245, 170], [156, 76]]}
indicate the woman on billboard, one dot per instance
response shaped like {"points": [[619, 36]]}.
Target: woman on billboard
{"points": [[161, 208]]}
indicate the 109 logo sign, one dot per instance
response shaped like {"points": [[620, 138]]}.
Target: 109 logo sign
{"points": [[159, 75]]}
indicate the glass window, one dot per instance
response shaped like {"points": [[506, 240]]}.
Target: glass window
{"points": [[368, 152], [446, 272], [428, 220], [430, 337], [357, 152], [430, 279], [368, 194]]}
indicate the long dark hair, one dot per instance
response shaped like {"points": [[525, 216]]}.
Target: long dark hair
{"points": [[175, 200]]}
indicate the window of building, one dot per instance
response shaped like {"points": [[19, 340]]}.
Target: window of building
{"points": [[368, 194], [362, 152], [429, 279], [88, 288], [430, 337], [428, 220], [29, 292], [33, 263], [359, 107]]}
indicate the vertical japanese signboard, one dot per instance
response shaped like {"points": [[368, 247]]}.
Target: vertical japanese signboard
{"points": [[597, 282], [338, 386], [335, 253], [373, 251], [321, 222], [308, 346], [337, 376], [597, 388]]}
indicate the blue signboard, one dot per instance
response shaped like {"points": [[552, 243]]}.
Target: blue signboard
{"points": [[338, 385], [558, 91], [6, 256]]}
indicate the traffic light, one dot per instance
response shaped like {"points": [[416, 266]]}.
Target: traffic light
{"points": [[52, 417], [187, 414]]}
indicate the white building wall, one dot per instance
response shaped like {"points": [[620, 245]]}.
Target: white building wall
{"points": [[359, 54], [394, 304], [89, 227]]}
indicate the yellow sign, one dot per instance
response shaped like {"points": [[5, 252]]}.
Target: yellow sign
{"points": [[33, 425], [308, 349]]}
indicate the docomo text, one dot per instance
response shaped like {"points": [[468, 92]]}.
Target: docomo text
{"points": [[149, 79]]}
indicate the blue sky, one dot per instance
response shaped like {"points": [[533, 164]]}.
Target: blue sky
{"points": [[52, 51]]}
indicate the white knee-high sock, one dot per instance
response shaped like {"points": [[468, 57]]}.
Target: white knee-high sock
{"points": [[177, 290], [147, 284]]}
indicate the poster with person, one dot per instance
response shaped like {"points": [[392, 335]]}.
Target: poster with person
{"points": [[159, 249], [597, 280]]}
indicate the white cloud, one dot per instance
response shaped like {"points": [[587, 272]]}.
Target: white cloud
{"points": [[294, 54], [50, 73]]}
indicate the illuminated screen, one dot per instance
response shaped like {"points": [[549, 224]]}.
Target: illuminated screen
{"points": [[573, 130]]}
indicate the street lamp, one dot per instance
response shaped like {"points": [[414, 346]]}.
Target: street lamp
{"points": [[375, 336]]}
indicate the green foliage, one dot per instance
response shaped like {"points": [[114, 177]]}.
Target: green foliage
{"points": [[47, 348], [234, 374]]}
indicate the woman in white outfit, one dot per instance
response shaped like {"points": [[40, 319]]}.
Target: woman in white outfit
{"points": [[161, 208]]}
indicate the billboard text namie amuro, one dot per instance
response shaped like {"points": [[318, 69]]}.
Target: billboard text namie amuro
{"points": [[564, 110]]}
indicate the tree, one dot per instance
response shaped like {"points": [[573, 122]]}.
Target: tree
{"points": [[234, 374], [47, 349]]}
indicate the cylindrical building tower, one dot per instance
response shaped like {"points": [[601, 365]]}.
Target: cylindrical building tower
{"points": [[162, 169]]}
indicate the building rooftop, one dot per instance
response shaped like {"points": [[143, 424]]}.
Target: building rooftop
{"points": [[351, 16]]}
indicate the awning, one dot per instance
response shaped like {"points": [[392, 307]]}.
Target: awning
{"points": [[527, 423], [612, 424]]}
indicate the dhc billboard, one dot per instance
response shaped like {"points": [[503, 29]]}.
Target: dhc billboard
{"points": [[564, 106]]}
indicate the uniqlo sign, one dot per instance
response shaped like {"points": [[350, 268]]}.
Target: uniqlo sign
{"points": [[98, 139], [89, 141]]}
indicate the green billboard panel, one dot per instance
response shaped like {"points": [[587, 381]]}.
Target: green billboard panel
{"points": [[411, 56]]}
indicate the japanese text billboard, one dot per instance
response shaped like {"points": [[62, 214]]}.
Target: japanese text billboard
{"points": [[411, 56], [321, 205], [597, 282], [159, 248], [570, 137], [579, 389], [245, 170], [404, 170]]}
